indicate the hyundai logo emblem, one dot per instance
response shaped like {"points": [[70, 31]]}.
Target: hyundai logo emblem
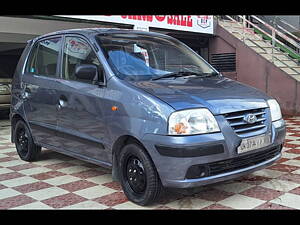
{"points": [[250, 118]]}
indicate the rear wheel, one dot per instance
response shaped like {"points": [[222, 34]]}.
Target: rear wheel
{"points": [[25, 146], [139, 179]]}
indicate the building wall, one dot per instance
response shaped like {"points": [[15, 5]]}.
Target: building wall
{"points": [[254, 70]]}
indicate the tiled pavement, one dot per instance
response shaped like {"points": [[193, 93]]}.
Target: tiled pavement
{"points": [[61, 182]]}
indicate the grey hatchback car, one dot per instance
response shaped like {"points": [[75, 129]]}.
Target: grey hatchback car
{"points": [[143, 104]]}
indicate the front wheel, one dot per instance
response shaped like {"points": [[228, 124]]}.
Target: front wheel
{"points": [[139, 179]]}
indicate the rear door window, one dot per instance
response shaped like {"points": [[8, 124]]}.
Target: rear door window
{"points": [[44, 57]]}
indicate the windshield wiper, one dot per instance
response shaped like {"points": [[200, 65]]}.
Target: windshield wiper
{"points": [[185, 73], [175, 74]]}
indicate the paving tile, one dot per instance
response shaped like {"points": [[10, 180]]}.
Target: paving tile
{"points": [[88, 174], [32, 187], [270, 206], [289, 155], [189, 203], [87, 205], [283, 168], [291, 177], [113, 199], [239, 201], [295, 191], [5, 171], [34, 205], [35, 170], [280, 185], [292, 162], [289, 200], [262, 193], [61, 180], [63, 200], [217, 207], [294, 151], [3, 155], [132, 206], [213, 195], [23, 167], [101, 179], [269, 173], [73, 169], [18, 181], [60, 165], [254, 180], [47, 193], [8, 192], [77, 185], [47, 175], [15, 201], [113, 185], [95, 192], [2, 187], [12, 162], [234, 187]]}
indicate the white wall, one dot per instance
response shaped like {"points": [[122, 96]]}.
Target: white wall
{"points": [[19, 30]]}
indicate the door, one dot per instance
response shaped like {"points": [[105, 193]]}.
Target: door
{"points": [[81, 126], [39, 85]]}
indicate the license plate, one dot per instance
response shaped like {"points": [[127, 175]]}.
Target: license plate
{"points": [[253, 143]]}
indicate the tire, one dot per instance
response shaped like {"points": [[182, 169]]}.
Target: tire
{"points": [[147, 189], [26, 148]]}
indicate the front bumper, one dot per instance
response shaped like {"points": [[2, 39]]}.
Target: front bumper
{"points": [[206, 150]]}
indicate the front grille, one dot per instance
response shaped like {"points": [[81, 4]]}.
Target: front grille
{"points": [[242, 161], [229, 165], [240, 126]]}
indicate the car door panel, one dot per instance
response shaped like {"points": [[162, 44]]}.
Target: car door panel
{"points": [[39, 89], [80, 124]]}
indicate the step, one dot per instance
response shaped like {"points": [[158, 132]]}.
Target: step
{"points": [[230, 24], [297, 77], [279, 64], [291, 70], [287, 58], [262, 44], [258, 50], [250, 43], [275, 50], [247, 36], [289, 63], [280, 57]]}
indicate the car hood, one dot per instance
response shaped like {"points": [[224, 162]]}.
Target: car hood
{"points": [[219, 94]]}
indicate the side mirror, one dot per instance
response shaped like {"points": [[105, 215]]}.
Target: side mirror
{"points": [[86, 72]]}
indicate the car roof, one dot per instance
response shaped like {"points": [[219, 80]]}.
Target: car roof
{"points": [[89, 31]]}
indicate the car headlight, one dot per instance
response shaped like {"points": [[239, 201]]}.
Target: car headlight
{"points": [[192, 121], [275, 110]]}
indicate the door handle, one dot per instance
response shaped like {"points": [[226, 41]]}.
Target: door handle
{"points": [[25, 95], [62, 102]]}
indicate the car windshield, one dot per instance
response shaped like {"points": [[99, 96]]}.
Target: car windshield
{"points": [[147, 57]]}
